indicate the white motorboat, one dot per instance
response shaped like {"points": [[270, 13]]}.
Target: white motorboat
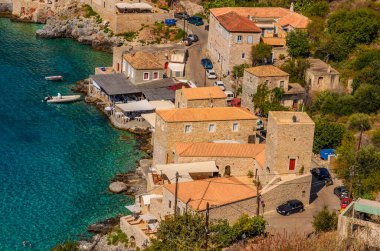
{"points": [[62, 99], [54, 78]]}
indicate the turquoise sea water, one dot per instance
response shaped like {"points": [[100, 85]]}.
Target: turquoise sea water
{"points": [[55, 160]]}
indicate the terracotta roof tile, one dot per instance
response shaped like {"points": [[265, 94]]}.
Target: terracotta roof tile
{"points": [[204, 149], [266, 71], [260, 158], [217, 192], [205, 114], [233, 22], [142, 60], [285, 16], [275, 41], [203, 93]]}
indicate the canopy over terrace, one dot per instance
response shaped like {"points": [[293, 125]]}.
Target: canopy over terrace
{"points": [[367, 206], [138, 106], [184, 170]]}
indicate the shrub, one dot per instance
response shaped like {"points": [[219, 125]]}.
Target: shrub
{"points": [[129, 36], [180, 34], [376, 138], [325, 221], [117, 236], [327, 135], [359, 121], [281, 56], [66, 246], [89, 12], [250, 174], [261, 53], [298, 44]]}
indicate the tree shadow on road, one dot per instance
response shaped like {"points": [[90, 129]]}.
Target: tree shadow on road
{"points": [[316, 186]]}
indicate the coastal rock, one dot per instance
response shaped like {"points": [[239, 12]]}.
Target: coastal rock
{"points": [[145, 163], [191, 8], [117, 187], [104, 227]]}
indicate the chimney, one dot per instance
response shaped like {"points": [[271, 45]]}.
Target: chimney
{"points": [[292, 7], [329, 69]]}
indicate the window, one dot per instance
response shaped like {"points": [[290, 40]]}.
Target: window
{"points": [[187, 128], [239, 38], [170, 204], [146, 76], [250, 39], [211, 127], [235, 127], [320, 80], [155, 75], [282, 83], [243, 55]]}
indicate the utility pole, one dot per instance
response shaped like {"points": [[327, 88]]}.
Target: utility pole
{"points": [[176, 194], [204, 84], [257, 196], [206, 225]]}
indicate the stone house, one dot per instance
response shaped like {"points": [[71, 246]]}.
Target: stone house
{"points": [[200, 125], [200, 97], [228, 197], [230, 158], [273, 77], [289, 143], [234, 30], [321, 76], [279, 49]]}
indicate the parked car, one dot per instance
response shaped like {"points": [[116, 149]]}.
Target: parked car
{"points": [[187, 41], [170, 22], [181, 15], [236, 102], [206, 63], [230, 95], [290, 207], [220, 84], [341, 192], [193, 37], [259, 124], [195, 20], [210, 74], [322, 174], [345, 202]]}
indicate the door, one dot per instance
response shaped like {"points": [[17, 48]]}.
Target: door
{"points": [[292, 164]]}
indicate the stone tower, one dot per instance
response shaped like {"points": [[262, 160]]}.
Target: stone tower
{"points": [[289, 143]]}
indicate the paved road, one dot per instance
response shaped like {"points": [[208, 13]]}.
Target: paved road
{"points": [[300, 223], [194, 69]]}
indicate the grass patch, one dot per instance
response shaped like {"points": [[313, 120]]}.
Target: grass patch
{"points": [[180, 34], [116, 237], [89, 12], [129, 36]]}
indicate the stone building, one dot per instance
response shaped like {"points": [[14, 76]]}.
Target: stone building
{"points": [[234, 30], [273, 77], [231, 158], [321, 76], [200, 125], [200, 97], [228, 197], [289, 143]]}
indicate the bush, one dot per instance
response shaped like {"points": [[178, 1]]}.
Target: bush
{"points": [[359, 121], [298, 44], [261, 53], [129, 36], [89, 12], [180, 34], [117, 236], [247, 227], [66, 246], [376, 138], [296, 69], [367, 99], [327, 135], [325, 221]]}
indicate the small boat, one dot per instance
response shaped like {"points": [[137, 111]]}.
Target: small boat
{"points": [[54, 78], [62, 99]]}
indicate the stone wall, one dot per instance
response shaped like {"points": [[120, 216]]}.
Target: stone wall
{"points": [[251, 82], [134, 21], [298, 187], [322, 81], [133, 232], [182, 102], [167, 134], [239, 166], [6, 6], [117, 57]]}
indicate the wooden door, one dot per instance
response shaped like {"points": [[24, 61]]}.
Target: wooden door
{"points": [[292, 164]]}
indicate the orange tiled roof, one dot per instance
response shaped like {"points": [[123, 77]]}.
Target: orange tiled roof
{"points": [[285, 16], [142, 60], [204, 149], [275, 41], [203, 93], [260, 158], [205, 114], [217, 192], [266, 71], [233, 22]]}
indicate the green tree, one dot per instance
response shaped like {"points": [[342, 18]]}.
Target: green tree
{"points": [[345, 105], [261, 96], [298, 44], [317, 8], [367, 98], [238, 70], [296, 69], [268, 100], [327, 135], [217, 4], [325, 221], [376, 138], [359, 121], [261, 53]]}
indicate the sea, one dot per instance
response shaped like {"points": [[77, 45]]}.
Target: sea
{"points": [[56, 160]]}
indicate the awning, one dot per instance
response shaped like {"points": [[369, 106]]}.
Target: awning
{"points": [[141, 6], [150, 118], [185, 169], [134, 208], [146, 198], [142, 105], [162, 104], [177, 67], [367, 206]]}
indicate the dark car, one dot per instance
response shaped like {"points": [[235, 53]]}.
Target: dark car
{"points": [[181, 15], [193, 37], [341, 192], [187, 41], [322, 174], [207, 64], [290, 207], [195, 20]]}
